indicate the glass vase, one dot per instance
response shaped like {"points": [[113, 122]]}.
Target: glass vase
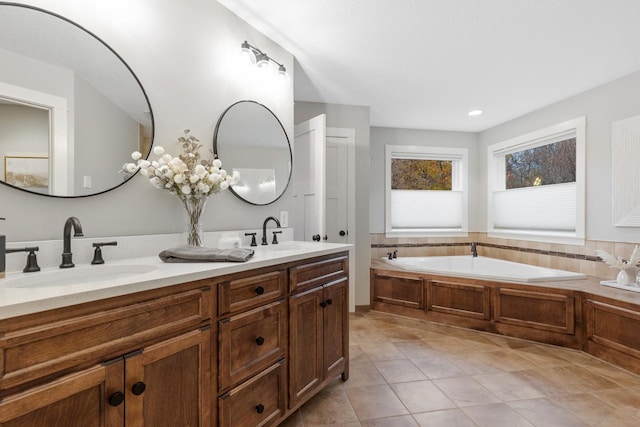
{"points": [[194, 209]]}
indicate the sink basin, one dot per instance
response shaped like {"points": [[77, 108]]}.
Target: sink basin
{"points": [[77, 276]]}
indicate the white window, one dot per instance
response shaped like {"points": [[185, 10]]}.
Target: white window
{"points": [[426, 191], [537, 185]]}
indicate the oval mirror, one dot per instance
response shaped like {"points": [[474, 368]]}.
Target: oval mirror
{"points": [[71, 110], [249, 138]]}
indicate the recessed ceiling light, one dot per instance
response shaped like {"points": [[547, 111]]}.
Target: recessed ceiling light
{"points": [[474, 112]]}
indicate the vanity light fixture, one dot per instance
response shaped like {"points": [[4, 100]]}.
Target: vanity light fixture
{"points": [[255, 56], [474, 113]]}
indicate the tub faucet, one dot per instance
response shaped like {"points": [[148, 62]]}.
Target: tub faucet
{"points": [[264, 228], [474, 249], [67, 256]]}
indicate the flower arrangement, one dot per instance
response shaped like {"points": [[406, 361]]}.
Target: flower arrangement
{"points": [[187, 176], [619, 263]]}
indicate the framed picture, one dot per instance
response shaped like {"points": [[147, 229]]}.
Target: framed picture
{"points": [[30, 172]]}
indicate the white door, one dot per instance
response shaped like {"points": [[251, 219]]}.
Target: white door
{"points": [[309, 179], [336, 182]]}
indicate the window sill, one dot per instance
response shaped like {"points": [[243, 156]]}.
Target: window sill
{"points": [[538, 236]]}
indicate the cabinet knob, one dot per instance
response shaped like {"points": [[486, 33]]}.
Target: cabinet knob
{"points": [[138, 388], [260, 408], [329, 301], [315, 237], [260, 340], [116, 398], [259, 290], [323, 304]]}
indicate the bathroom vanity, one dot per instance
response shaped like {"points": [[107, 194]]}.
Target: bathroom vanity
{"points": [[218, 344]]}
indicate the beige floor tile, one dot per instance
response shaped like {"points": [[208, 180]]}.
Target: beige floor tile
{"points": [[496, 415], [543, 356], [415, 349], [615, 374], [622, 398], [364, 374], [596, 412], [375, 402], [376, 351], [402, 421], [543, 412], [294, 420], [508, 387], [547, 382], [356, 355], [446, 418], [465, 391], [438, 367], [422, 396], [584, 379], [330, 406], [399, 371]]}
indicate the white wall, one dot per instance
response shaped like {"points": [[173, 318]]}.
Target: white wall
{"points": [[355, 117], [185, 54], [430, 138], [601, 106]]}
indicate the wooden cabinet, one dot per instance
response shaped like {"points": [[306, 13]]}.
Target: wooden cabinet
{"points": [[318, 339], [460, 299], [166, 384]]}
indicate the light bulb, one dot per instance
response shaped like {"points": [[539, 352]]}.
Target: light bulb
{"points": [[247, 54], [262, 61]]}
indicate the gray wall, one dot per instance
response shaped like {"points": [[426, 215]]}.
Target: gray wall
{"points": [[429, 138], [601, 106], [355, 117], [186, 56]]}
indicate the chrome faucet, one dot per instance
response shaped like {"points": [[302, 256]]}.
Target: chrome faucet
{"points": [[67, 256], [264, 227], [474, 249]]}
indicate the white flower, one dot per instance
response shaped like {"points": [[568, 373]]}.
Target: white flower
{"points": [[200, 171], [215, 170], [130, 168], [167, 158], [214, 177], [158, 150], [224, 185], [216, 163], [185, 189], [144, 172], [155, 164], [236, 175], [144, 164], [178, 179], [156, 182], [194, 178], [136, 155]]}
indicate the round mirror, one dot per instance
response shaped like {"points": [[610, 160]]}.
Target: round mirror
{"points": [[250, 139], [71, 110]]}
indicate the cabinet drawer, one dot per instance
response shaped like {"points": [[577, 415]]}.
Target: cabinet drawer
{"points": [[257, 402], [307, 276], [35, 352], [251, 341], [241, 294]]}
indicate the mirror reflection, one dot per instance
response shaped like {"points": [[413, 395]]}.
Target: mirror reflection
{"points": [[249, 138], [71, 111]]}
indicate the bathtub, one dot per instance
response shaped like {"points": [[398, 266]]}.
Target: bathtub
{"points": [[482, 268]]}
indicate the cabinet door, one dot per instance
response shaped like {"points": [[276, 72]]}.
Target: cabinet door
{"points": [[306, 324], [336, 339], [76, 400], [397, 290], [168, 384]]}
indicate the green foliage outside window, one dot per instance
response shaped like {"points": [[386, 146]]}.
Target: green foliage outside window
{"points": [[412, 174], [549, 164]]}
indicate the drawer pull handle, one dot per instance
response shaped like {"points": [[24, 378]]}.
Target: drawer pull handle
{"points": [[329, 301], [260, 340], [260, 408], [138, 388], [116, 398], [259, 290]]}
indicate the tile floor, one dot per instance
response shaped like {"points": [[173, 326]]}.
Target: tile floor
{"points": [[412, 373]]}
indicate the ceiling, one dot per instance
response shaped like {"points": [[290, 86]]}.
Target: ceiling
{"points": [[424, 64]]}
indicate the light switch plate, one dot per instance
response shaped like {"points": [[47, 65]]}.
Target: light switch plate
{"points": [[284, 219]]}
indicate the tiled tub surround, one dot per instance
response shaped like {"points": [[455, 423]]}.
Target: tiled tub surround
{"points": [[580, 259]]}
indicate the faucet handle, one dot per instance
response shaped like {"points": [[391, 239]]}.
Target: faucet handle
{"points": [[253, 238], [32, 260], [275, 237], [97, 253]]}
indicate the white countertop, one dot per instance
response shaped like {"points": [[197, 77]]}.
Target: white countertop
{"points": [[17, 301]]}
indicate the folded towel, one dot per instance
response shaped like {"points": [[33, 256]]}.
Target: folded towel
{"points": [[187, 253]]}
